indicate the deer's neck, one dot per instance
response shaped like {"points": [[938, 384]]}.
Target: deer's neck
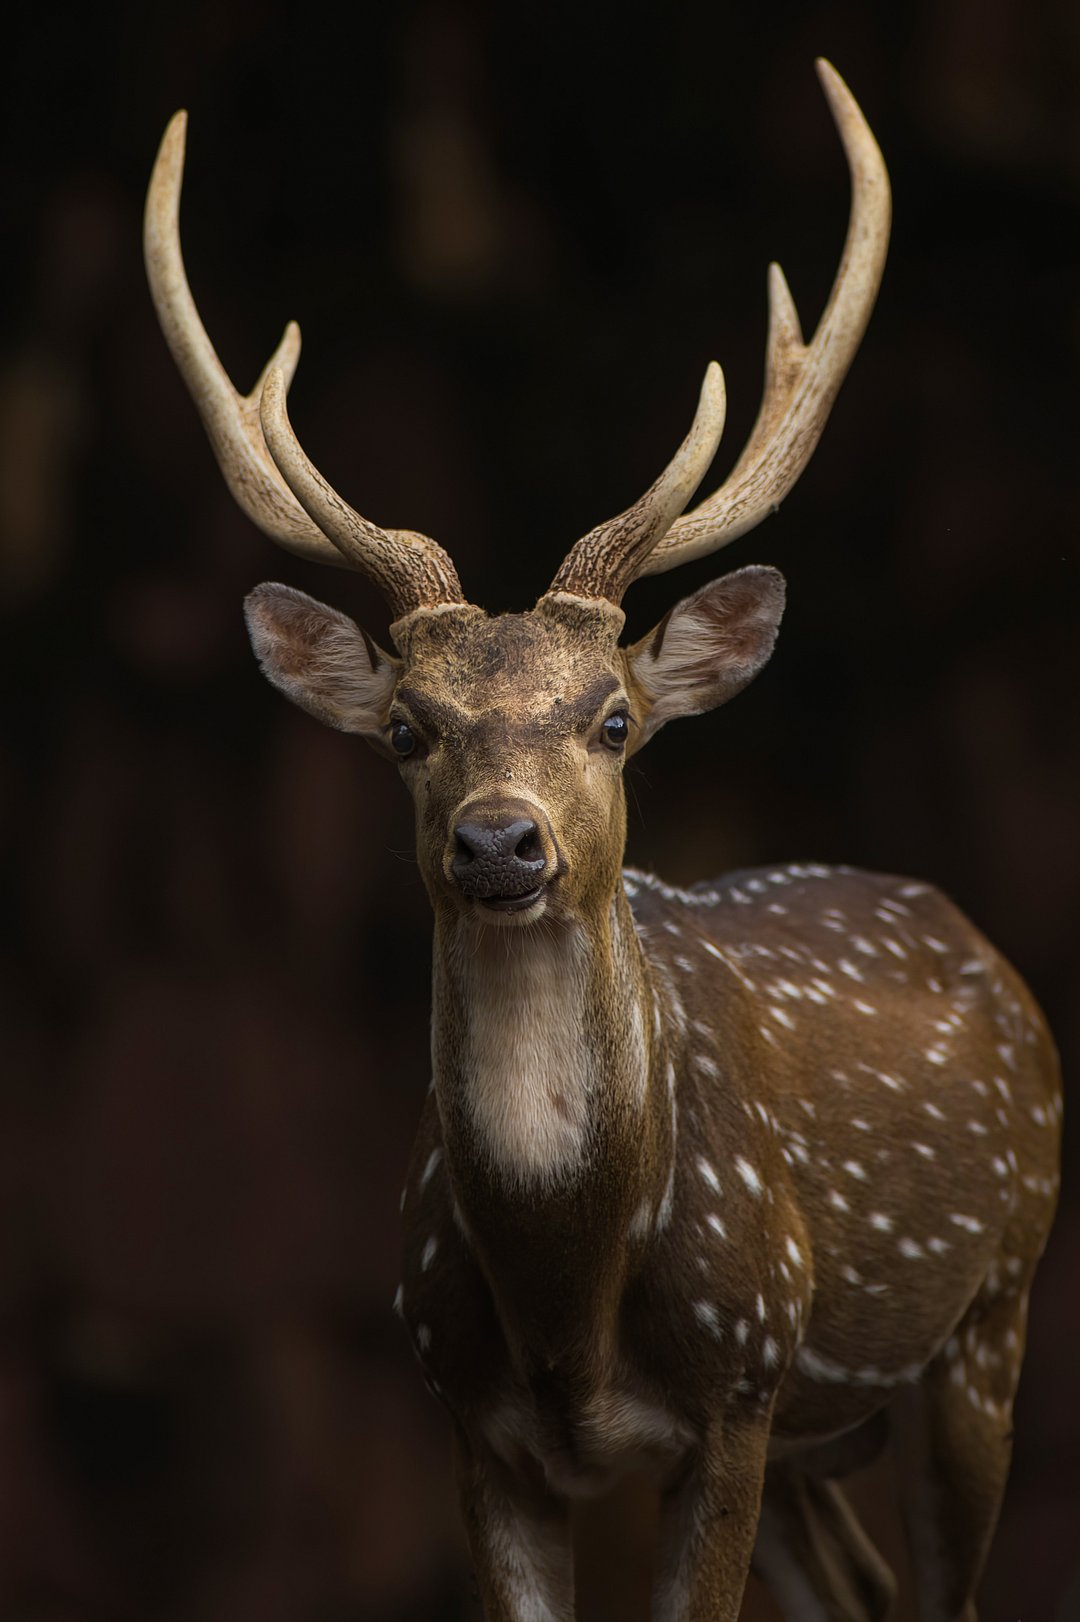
{"points": [[550, 1076]]}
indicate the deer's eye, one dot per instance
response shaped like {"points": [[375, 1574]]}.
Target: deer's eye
{"points": [[402, 738], [616, 730]]}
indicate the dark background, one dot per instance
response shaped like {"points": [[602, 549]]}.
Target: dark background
{"points": [[513, 236]]}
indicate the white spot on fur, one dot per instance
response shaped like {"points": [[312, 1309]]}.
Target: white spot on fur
{"points": [[709, 1175], [826, 1369], [748, 1174], [432, 1161], [706, 1315]]}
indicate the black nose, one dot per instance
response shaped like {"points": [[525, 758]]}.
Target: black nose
{"points": [[501, 858]]}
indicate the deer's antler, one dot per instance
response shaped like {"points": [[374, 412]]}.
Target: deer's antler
{"points": [[603, 562], [262, 462], [801, 383]]}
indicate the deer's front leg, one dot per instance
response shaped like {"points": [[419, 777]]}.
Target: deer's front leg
{"points": [[709, 1522], [519, 1539]]}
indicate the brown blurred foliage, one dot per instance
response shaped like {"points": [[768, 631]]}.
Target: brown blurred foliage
{"points": [[513, 238]]}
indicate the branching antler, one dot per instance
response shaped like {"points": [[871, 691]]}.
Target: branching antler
{"points": [[603, 562], [263, 464], [290, 501], [801, 383]]}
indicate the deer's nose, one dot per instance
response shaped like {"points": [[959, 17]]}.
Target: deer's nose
{"points": [[498, 855]]}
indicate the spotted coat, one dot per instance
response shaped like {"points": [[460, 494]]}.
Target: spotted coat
{"points": [[865, 1120]]}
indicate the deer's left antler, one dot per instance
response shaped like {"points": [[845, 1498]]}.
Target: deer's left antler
{"points": [[801, 383]]}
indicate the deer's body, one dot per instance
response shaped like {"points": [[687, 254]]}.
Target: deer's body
{"points": [[808, 1169], [721, 1185], [821, 1156]]}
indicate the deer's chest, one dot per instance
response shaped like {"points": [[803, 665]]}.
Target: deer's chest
{"points": [[582, 1445]]}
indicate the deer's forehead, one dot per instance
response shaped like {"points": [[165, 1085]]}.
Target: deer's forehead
{"points": [[520, 666]]}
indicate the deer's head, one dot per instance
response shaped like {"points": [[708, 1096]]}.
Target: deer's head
{"points": [[511, 732]]}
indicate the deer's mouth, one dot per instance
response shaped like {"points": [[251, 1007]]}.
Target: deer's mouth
{"points": [[513, 903]]}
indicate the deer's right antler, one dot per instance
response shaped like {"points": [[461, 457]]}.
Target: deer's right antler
{"points": [[263, 464]]}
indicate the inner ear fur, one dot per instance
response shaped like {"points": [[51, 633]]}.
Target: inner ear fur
{"points": [[707, 648], [322, 660]]}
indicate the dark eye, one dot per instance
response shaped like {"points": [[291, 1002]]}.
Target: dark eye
{"points": [[615, 730], [402, 738]]}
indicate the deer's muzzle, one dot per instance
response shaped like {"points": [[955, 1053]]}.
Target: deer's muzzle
{"points": [[502, 855]]}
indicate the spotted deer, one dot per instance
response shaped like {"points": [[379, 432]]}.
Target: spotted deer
{"points": [[724, 1185]]}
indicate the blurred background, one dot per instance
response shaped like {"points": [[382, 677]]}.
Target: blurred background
{"points": [[513, 237]]}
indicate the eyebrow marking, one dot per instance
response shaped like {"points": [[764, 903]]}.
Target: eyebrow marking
{"points": [[582, 710], [576, 714], [427, 710]]}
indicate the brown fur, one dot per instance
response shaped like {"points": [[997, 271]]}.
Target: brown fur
{"points": [[715, 1185]]}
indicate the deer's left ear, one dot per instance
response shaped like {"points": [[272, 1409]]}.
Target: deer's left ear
{"points": [[707, 648]]}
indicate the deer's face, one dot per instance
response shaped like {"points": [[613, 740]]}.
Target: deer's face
{"points": [[511, 733]]}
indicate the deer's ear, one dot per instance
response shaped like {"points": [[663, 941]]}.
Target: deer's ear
{"points": [[322, 660], [707, 648]]}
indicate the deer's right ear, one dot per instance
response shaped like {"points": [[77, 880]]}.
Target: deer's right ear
{"points": [[322, 660]]}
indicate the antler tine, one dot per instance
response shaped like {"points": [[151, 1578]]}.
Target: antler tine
{"points": [[801, 380], [231, 419], [411, 570], [607, 559], [311, 520]]}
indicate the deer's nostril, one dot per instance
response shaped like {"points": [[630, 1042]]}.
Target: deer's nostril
{"points": [[463, 851], [528, 846]]}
